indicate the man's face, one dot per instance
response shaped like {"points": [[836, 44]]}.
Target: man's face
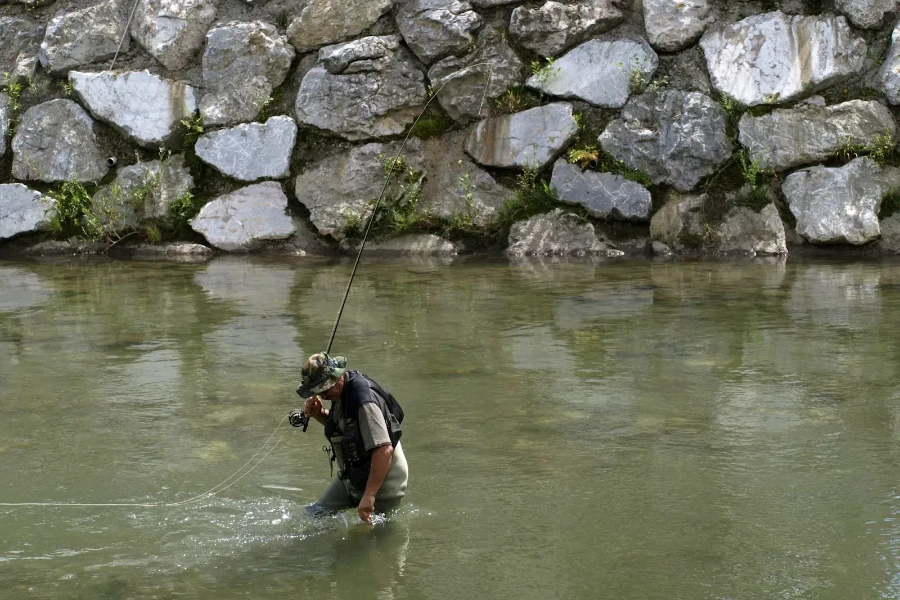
{"points": [[334, 392]]}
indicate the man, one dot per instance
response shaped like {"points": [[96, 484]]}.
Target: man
{"points": [[363, 430]]}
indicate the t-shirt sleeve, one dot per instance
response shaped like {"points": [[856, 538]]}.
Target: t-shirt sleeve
{"points": [[372, 426]]}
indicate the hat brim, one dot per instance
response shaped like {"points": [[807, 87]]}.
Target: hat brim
{"points": [[308, 390]]}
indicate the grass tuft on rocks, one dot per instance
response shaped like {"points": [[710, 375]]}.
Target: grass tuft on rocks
{"points": [[884, 150]]}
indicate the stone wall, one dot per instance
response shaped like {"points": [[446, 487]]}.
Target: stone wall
{"points": [[677, 125]]}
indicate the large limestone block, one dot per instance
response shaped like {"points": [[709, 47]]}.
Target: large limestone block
{"points": [[890, 70], [172, 31], [840, 205], [5, 119], [673, 25], [251, 151], [746, 231], [809, 134], [776, 57], [524, 140], [242, 64], [55, 141], [367, 88], [553, 27], [141, 106], [80, 37], [679, 224], [466, 85], [324, 22], [557, 233], [21, 210], [434, 29], [20, 42], [677, 137], [246, 218], [598, 71], [604, 195], [866, 14]]}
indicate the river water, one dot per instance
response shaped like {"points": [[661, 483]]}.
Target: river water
{"points": [[574, 429]]}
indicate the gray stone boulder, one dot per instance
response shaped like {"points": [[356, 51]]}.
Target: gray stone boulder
{"points": [[604, 195], [601, 72], [246, 218], [557, 233], [22, 210], [889, 75], [679, 223], [434, 29], [673, 25], [774, 57], [141, 106], [840, 205], [424, 244], [80, 37], [142, 192], [242, 64], [529, 139], [745, 231], [553, 27], [809, 134], [493, 3], [55, 141], [677, 137], [172, 32], [341, 190], [324, 22], [5, 119], [466, 85], [889, 243], [367, 88], [866, 14], [20, 42], [250, 151]]}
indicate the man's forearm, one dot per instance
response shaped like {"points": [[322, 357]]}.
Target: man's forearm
{"points": [[381, 464]]}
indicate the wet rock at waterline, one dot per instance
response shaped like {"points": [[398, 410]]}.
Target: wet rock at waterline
{"points": [[20, 42], [414, 245], [679, 224], [324, 22], [55, 141], [250, 151], [80, 37], [604, 195], [677, 137], [889, 75], [172, 32], [465, 86], [242, 64], [556, 233], [553, 27], [674, 25], [246, 218], [866, 14], [528, 139], [774, 57], [434, 29], [746, 231], [143, 107], [601, 72], [889, 243], [367, 88], [840, 205], [22, 210], [808, 134], [5, 119]]}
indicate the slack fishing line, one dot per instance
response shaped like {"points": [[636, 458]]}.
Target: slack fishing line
{"points": [[227, 483]]}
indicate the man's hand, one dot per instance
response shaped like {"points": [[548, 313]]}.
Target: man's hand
{"points": [[366, 507], [313, 407]]}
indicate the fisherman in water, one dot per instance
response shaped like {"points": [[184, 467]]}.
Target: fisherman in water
{"points": [[363, 430]]}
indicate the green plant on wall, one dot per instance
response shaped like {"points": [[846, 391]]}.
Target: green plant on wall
{"points": [[543, 71], [13, 88]]}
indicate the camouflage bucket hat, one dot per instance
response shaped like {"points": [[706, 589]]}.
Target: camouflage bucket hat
{"points": [[320, 373]]}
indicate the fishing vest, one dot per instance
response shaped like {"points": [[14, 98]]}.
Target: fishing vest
{"points": [[357, 460]]}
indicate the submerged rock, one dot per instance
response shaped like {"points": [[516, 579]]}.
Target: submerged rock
{"points": [[172, 32], [604, 195], [21, 210], [866, 14], [80, 37], [601, 72], [425, 244], [324, 22], [367, 88], [679, 223], [556, 233], [840, 205], [55, 141], [809, 134], [250, 151], [242, 64], [774, 57], [20, 42], [553, 27], [674, 25], [528, 139], [677, 137], [434, 29], [746, 231], [246, 218], [141, 106]]}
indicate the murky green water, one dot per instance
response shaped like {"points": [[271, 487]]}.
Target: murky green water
{"points": [[575, 430]]}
